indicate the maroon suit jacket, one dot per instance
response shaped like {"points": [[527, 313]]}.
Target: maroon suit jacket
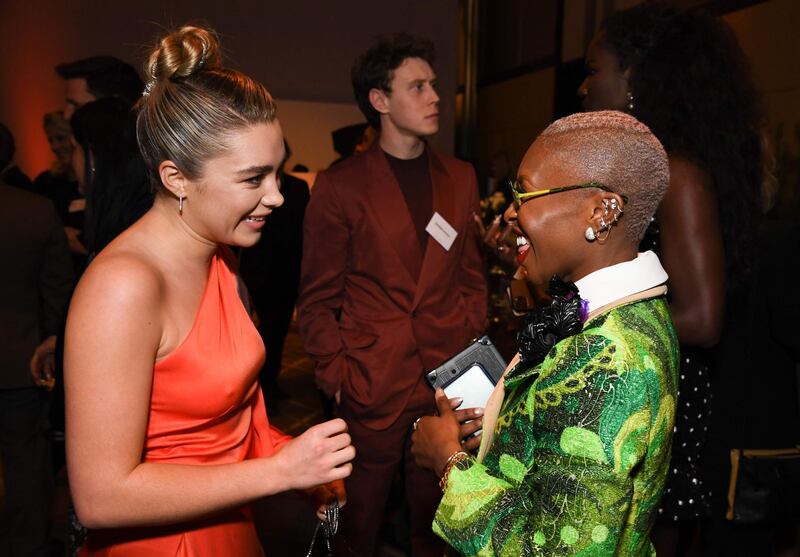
{"points": [[371, 326]]}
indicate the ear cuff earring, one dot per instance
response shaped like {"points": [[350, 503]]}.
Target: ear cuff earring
{"points": [[612, 204], [609, 206]]}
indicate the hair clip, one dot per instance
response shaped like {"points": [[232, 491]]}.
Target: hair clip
{"points": [[202, 61], [148, 88]]}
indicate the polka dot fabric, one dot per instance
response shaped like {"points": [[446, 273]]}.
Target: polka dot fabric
{"points": [[686, 496]]}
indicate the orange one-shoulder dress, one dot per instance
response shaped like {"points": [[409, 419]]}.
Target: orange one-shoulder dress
{"points": [[206, 408]]}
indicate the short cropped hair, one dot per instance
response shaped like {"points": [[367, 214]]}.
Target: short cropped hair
{"points": [[106, 76], [617, 150], [375, 68]]}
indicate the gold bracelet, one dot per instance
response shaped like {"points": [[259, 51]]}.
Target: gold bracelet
{"points": [[454, 459]]}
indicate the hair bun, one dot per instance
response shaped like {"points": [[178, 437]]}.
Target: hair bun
{"points": [[184, 52]]}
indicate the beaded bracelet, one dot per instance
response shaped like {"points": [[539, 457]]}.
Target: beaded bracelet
{"points": [[454, 459]]}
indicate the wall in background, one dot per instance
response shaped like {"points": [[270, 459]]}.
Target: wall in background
{"points": [[511, 114], [307, 126], [302, 50], [768, 34]]}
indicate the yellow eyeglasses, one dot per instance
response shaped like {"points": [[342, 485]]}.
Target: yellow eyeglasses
{"points": [[521, 196]]}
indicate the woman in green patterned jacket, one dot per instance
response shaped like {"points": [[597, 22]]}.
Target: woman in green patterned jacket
{"points": [[577, 434]]}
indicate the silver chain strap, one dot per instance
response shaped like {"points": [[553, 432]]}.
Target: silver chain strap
{"points": [[329, 527]]}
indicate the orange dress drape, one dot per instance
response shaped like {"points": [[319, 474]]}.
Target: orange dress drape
{"points": [[206, 408]]}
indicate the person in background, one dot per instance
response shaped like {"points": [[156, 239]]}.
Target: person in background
{"points": [[59, 183], [382, 300], [684, 75], [577, 433], [98, 77], [167, 435], [88, 80], [34, 290], [110, 170], [10, 173], [346, 139]]}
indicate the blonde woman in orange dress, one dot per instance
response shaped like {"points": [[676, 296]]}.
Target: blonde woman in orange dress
{"points": [[167, 435]]}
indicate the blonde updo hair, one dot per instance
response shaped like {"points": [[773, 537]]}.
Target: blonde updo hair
{"points": [[617, 150], [192, 105]]}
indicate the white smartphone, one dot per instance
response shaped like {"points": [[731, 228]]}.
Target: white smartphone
{"points": [[474, 386]]}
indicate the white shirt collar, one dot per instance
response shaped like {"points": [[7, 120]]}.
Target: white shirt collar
{"points": [[609, 284]]}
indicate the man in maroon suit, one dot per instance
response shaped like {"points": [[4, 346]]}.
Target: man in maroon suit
{"points": [[392, 284]]}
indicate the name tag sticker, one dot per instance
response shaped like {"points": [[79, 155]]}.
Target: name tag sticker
{"points": [[441, 231]]}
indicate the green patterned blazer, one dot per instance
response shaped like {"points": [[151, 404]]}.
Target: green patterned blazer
{"points": [[581, 448]]}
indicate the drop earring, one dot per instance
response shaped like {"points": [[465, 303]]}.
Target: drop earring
{"points": [[180, 204], [630, 101]]}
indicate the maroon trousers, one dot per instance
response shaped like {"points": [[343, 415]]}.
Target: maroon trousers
{"points": [[379, 455]]}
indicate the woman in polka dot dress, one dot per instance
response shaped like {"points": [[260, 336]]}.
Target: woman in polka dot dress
{"points": [[685, 76]]}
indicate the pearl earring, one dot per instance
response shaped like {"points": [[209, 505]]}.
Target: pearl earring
{"points": [[589, 234]]}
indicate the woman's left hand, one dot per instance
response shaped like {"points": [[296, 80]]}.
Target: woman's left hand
{"points": [[325, 494], [436, 438]]}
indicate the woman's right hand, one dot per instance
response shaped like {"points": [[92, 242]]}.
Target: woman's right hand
{"points": [[324, 495], [320, 455]]}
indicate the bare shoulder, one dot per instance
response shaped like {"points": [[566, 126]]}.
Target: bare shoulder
{"points": [[691, 195], [115, 322], [688, 175], [119, 282]]}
